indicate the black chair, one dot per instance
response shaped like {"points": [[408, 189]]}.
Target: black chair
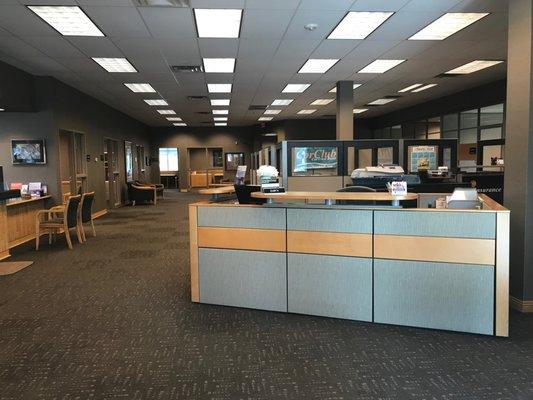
{"points": [[357, 189], [59, 218], [243, 194], [159, 188], [138, 193], [86, 213]]}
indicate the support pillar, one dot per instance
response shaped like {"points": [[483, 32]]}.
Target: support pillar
{"points": [[345, 110]]}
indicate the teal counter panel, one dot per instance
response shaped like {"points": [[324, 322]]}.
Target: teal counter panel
{"points": [[330, 286], [455, 297], [250, 279], [425, 223], [242, 217], [319, 220]]}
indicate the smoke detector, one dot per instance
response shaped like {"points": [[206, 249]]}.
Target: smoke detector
{"points": [[311, 26]]}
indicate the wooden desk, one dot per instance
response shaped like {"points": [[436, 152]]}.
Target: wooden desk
{"points": [[215, 192], [328, 197]]}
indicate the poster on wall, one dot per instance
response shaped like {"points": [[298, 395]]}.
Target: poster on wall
{"points": [[28, 151], [128, 157], [314, 158], [422, 158]]}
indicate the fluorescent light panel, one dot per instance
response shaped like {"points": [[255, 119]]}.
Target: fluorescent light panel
{"points": [[409, 88], [359, 110], [447, 25], [473, 66], [265, 118], [156, 102], [220, 102], [179, 124], [282, 102], [67, 20], [140, 87], [358, 25], [219, 87], [424, 87], [321, 102], [220, 118], [317, 65], [115, 64], [306, 111], [355, 86], [221, 124], [380, 102], [166, 112], [220, 112], [173, 119], [219, 65], [218, 23], [296, 87], [272, 112], [380, 66]]}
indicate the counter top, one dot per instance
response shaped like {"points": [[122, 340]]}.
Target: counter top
{"points": [[218, 190], [18, 201], [362, 196]]}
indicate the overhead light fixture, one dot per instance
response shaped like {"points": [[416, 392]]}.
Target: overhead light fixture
{"points": [[306, 111], [272, 112], [140, 87], [166, 112], [473, 66], [321, 102], [282, 102], [115, 64], [220, 118], [219, 65], [220, 102], [359, 110], [179, 124], [355, 86], [174, 119], [221, 124], [317, 65], [156, 102], [380, 102], [219, 87], [265, 118], [409, 88], [220, 112], [424, 87], [358, 25], [67, 20], [218, 23], [380, 66], [2, 109], [447, 25], [296, 87]]}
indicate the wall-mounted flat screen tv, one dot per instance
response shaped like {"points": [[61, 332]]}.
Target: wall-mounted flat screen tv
{"points": [[28, 151]]}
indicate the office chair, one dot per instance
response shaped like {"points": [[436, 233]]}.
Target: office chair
{"points": [[356, 189]]}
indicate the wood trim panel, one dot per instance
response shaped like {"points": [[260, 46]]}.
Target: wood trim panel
{"points": [[435, 249], [193, 253], [4, 236], [524, 306], [242, 238], [502, 274], [491, 204], [330, 243]]}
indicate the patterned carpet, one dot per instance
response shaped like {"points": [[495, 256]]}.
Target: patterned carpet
{"points": [[112, 320]]}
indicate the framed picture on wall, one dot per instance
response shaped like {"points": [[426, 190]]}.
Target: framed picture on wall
{"points": [[233, 160], [128, 158], [24, 152]]}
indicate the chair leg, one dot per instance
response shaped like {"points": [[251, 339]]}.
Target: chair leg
{"points": [[82, 228], [78, 233], [67, 236], [50, 233], [94, 230], [37, 236]]}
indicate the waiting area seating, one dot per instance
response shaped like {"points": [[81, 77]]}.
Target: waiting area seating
{"points": [[142, 193]]}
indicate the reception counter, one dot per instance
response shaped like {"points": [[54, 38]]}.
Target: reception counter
{"points": [[440, 269]]}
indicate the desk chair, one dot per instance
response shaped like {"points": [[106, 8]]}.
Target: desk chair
{"points": [[57, 219], [86, 213], [357, 189]]}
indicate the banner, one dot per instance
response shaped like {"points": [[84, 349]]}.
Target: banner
{"points": [[307, 158]]}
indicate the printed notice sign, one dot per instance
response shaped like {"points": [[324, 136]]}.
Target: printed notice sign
{"points": [[398, 188]]}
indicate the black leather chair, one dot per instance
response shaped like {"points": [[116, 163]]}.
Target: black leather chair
{"points": [[57, 218], [143, 194], [357, 189], [86, 213], [159, 188], [243, 194]]}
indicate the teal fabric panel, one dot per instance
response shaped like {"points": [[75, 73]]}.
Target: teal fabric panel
{"points": [[320, 220], [330, 286], [455, 297], [242, 217], [426, 223], [250, 279]]}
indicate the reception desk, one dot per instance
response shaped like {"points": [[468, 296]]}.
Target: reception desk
{"points": [[440, 269]]}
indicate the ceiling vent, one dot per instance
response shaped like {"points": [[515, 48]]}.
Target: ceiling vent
{"points": [[392, 97], [257, 108], [204, 112], [186, 68], [444, 75], [196, 98], [163, 3]]}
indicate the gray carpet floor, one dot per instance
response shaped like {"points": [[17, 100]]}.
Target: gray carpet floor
{"points": [[112, 320]]}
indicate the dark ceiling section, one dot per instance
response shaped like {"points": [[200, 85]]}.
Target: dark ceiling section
{"points": [[17, 92]]}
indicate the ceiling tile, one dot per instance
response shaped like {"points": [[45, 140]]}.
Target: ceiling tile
{"points": [[325, 21], [259, 24], [54, 46], [165, 22], [118, 21], [19, 20], [218, 48], [272, 4], [95, 46]]}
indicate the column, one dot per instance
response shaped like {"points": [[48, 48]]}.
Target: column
{"points": [[345, 110], [518, 179]]}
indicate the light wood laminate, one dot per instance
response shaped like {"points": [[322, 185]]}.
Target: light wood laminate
{"points": [[21, 220], [217, 190], [330, 243], [19, 201], [4, 243], [502, 274], [242, 238], [193, 255], [436, 249], [354, 196]]}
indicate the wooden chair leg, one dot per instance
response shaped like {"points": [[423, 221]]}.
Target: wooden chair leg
{"points": [[67, 236], [50, 233], [78, 234], [37, 236], [94, 230], [82, 228]]}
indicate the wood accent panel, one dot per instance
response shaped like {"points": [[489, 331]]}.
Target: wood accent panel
{"points": [[242, 238], [4, 241], [193, 252], [502, 274], [330, 243], [490, 204], [524, 306], [437, 249], [21, 221], [218, 190]]}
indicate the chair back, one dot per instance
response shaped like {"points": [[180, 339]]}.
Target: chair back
{"points": [[87, 206], [71, 210], [357, 189]]}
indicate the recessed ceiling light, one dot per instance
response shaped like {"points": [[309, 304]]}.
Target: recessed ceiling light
{"points": [[358, 25], [219, 65], [425, 87], [265, 118], [2, 109], [166, 112], [409, 88], [282, 102], [219, 87], [67, 20], [296, 87], [220, 102], [221, 124], [220, 118], [220, 112], [380, 66], [179, 124], [272, 112], [317, 65], [447, 25], [306, 111], [156, 102], [140, 87], [359, 110], [473, 66], [321, 102], [380, 102], [174, 119], [355, 86], [218, 23], [115, 64]]}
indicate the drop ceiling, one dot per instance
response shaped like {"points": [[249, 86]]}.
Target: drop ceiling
{"points": [[272, 47]]}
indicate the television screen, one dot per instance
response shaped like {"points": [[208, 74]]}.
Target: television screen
{"points": [[28, 151]]}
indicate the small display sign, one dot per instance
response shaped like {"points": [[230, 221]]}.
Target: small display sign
{"points": [[398, 188]]}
